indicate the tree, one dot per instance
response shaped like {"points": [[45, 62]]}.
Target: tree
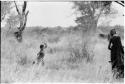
{"points": [[120, 2], [5, 9], [22, 15], [14, 20], [90, 12]]}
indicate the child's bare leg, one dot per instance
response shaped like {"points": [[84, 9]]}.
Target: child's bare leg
{"points": [[38, 61], [42, 61]]}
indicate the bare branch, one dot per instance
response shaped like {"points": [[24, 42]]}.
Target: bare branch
{"points": [[17, 8], [24, 7], [100, 13], [93, 9], [121, 3], [26, 13]]}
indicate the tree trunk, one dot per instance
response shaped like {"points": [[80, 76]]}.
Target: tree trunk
{"points": [[92, 28], [19, 33], [23, 20]]}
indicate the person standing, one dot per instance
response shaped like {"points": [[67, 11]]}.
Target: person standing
{"points": [[117, 52]]}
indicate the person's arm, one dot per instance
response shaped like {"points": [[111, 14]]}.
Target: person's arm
{"points": [[109, 46], [45, 45]]}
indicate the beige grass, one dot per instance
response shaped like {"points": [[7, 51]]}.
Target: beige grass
{"points": [[16, 59]]}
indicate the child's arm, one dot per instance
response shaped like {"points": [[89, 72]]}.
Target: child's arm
{"points": [[38, 54], [45, 45]]}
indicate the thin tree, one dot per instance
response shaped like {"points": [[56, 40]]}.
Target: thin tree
{"points": [[22, 20]]}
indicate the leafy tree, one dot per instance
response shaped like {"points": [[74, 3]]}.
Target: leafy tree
{"points": [[14, 20], [90, 12], [18, 20]]}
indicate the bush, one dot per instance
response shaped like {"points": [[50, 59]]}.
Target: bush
{"points": [[78, 52], [53, 39], [22, 60]]}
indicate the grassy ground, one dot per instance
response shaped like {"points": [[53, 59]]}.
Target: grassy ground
{"points": [[66, 58]]}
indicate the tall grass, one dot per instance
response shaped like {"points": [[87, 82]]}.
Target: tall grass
{"points": [[80, 52], [69, 57]]}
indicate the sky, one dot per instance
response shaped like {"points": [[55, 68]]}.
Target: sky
{"points": [[114, 19], [51, 14]]}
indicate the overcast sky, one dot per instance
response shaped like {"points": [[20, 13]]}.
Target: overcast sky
{"points": [[50, 14], [116, 18], [61, 14]]}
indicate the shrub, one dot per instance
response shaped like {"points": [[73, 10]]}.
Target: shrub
{"points": [[78, 52], [53, 39], [22, 60]]}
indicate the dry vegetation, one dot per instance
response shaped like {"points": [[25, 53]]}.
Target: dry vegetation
{"points": [[68, 57]]}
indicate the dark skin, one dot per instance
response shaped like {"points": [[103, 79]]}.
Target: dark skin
{"points": [[109, 46], [40, 55]]}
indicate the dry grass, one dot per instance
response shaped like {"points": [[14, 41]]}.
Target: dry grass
{"points": [[68, 58]]}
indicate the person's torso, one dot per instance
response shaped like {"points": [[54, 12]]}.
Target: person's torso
{"points": [[115, 41]]}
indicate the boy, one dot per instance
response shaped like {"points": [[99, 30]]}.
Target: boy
{"points": [[40, 55]]}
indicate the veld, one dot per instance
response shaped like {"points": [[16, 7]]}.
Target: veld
{"points": [[68, 57]]}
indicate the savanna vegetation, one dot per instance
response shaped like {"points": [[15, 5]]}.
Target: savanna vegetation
{"points": [[73, 54]]}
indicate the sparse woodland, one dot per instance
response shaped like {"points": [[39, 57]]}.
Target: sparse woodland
{"points": [[73, 54]]}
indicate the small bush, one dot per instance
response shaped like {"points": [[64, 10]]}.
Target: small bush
{"points": [[80, 52], [51, 50], [53, 39], [22, 60], [55, 50]]}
